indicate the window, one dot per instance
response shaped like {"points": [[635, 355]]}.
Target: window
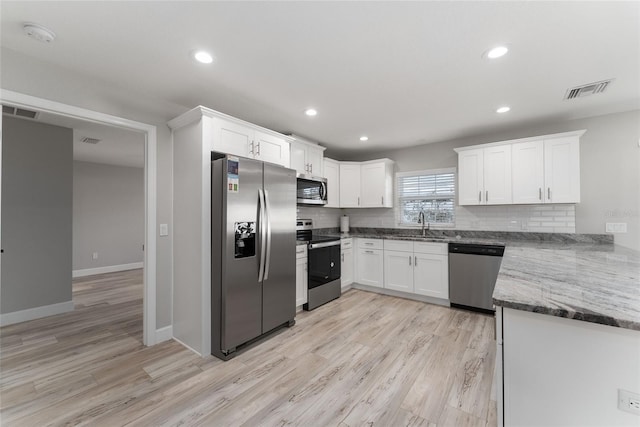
{"points": [[432, 192]]}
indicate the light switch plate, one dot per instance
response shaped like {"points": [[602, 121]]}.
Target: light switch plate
{"points": [[164, 229], [616, 227]]}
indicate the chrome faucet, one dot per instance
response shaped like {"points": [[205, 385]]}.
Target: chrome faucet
{"points": [[422, 221]]}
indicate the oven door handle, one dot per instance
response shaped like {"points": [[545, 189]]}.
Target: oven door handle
{"points": [[323, 244]]}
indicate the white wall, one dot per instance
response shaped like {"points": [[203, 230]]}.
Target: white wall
{"points": [[38, 78], [108, 215]]}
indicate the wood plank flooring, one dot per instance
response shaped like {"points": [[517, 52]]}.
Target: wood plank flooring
{"points": [[364, 359]]}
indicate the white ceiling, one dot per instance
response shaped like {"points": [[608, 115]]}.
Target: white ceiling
{"points": [[403, 73]]}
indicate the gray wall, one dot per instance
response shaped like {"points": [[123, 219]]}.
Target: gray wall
{"points": [[108, 215], [609, 167], [30, 76], [36, 214]]}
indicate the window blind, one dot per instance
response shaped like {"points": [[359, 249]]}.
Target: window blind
{"points": [[432, 192]]}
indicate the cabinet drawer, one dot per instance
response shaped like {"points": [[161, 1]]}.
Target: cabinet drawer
{"points": [[346, 243], [370, 243], [301, 251], [398, 245], [430, 248]]}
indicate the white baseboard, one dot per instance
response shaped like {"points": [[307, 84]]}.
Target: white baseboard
{"points": [[393, 293], [35, 313], [107, 269], [164, 334]]}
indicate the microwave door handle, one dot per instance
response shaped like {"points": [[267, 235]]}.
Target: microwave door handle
{"points": [[267, 262], [263, 240], [323, 191]]}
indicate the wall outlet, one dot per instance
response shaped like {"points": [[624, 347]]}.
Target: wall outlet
{"points": [[95, 255], [616, 227], [629, 402]]}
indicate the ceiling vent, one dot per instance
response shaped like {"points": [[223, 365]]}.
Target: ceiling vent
{"points": [[588, 89], [19, 112], [88, 140]]}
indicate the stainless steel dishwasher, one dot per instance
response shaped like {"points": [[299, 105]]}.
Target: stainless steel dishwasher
{"points": [[473, 270]]}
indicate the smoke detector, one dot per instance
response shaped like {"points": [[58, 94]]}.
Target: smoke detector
{"points": [[38, 32], [89, 140], [588, 89]]}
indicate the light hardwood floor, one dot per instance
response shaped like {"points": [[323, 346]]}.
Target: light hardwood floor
{"points": [[364, 359]]}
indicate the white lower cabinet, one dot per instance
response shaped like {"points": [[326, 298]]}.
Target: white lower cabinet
{"points": [[370, 263], [346, 268], [301, 275], [431, 275], [398, 271]]}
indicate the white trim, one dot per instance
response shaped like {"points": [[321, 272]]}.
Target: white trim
{"points": [[426, 172], [577, 133], [107, 269], [150, 191], [164, 334], [35, 313]]}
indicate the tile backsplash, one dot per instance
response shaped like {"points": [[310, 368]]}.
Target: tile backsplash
{"points": [[533, 218]]}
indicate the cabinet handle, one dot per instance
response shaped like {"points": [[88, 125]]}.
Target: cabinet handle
{"points": [[251, 147], [480, 196], [409, 259], [549, 193], [368, 252], [382, 200], [310, 167], [415, 261], [358, 201], [368, 244], [486, 196], [540, 193], [342, 257], [258, 149]]}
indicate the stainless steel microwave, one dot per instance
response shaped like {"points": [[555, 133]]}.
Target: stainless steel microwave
{"points": [[312, 190]]}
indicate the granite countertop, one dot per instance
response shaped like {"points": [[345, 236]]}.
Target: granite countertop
{"points": [[582, 277], [597, 283]]}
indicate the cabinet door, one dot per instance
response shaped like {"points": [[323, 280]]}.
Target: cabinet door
{"points": [[301, 281], [370, 267], [299, 158], [232, 138], [349, 185], [314, 161], [527, 172], [332, 173], [562, 170], [347, 267], [398, 271], [372, 193], [497, 175], [270, 148], [470, 177], [431, 275]]}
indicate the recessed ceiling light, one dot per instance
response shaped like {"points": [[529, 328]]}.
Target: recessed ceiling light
{"points": [[202, 56], [503, 109], [364, 138], [311, 112], [497, 52]]}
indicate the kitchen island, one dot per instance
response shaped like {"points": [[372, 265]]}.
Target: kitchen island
{"points": [[568, 334]]}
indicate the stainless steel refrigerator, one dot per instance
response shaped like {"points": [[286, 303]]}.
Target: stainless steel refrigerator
{"points": [[253, 213]]}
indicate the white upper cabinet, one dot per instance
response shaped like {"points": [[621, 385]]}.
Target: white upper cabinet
{"points": [[270, 148], [544, 169], [349, 185], [366, 184], [332, 173], [527, 172], [562, 170], [306, 157], [484, 176], [232, 138]]}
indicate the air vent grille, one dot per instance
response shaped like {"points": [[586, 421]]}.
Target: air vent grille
{"points": [[588, 89], [19, 112], [89, 140]]}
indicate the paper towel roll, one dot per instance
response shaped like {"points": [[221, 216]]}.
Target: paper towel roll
{"points": [[344, 224]]}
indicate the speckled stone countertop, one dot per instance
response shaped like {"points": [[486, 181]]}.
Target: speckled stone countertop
{"points": [[597, 283], [577, 276]]}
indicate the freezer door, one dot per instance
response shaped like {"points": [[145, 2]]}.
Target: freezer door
{"points": [[279, 286], [240, 291]]}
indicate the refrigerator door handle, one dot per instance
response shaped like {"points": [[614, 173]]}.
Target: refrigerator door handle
{"points": [[263, 239], [268, 216]]}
